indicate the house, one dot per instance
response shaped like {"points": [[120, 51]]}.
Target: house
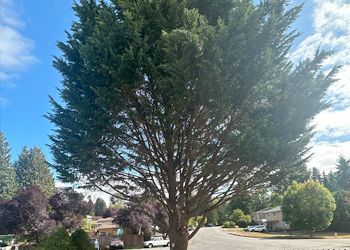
{"points": [[271, 217], [105, 230], [105, 226]]}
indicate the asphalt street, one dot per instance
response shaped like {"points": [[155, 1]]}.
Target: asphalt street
{"points": [[214, 238]]}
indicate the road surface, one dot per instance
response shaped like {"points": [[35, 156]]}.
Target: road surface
{"points": [[214, 238]]}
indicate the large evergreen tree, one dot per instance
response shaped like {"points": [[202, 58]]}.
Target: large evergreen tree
{"points": [[33, 170], [8, 184], [343, 174], [191, 101], [340, 184], [100, 207]]}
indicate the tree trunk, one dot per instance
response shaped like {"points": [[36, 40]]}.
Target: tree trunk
{"points": [[178, 231], [178, 238]]}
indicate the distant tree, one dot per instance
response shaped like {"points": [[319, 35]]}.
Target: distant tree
{"points": [[275, 199], [193, 101], [341, 220], [58, 240], [32, 169], [100, 207], [143, 217], [28, 214], [213, 217], [8, 184], [110, 212], [316, 174], [68, 208], [251, 202], [135, 217], [343, 174], [81, 240], [288, 175], [308, 206], [238, 214], [330, 182], [116, 203]]}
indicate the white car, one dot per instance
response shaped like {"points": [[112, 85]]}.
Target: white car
{"points": [[259, 228], [156, 241], [95, 243]]}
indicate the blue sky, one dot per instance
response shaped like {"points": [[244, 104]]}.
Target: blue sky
{"points": [[29, 31]]}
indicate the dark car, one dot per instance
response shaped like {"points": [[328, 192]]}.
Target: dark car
{"points": [[116, 243]]}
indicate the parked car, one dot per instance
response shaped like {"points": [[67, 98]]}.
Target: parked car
{"points": [[156, 241], [116, 243], [248, 228], [258, 228], [95, 243]]}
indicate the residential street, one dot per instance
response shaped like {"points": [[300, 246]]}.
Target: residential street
{"points": [[213, 238]]}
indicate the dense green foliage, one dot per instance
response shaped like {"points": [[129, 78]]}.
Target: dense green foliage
{"points": [[81, 240], [242, 223], [238, 214], [58, 240], [100, 207], [308, 206], [181, 98], [32, 169], [8, 184], [339, 183], [229, 224]]}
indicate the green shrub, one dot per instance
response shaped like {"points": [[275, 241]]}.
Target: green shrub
{"points": [[58, 240], [242, 223], [238, 214], [81, 241], [229, 224]]}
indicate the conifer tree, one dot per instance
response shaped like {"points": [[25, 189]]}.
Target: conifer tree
{"points": [[190, 101], [100, 207], [343, 174], [8, 184], [32, 169]]}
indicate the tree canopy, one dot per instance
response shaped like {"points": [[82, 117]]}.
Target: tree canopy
{"points": [[192, 101], [27, 214], [68, 209], [32, 169], [100, 207], [308, 206], [8, 184]]}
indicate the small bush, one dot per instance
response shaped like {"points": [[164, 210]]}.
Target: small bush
{"points": [[58, 240], [229, 224], [81, 241], [242, 223]]}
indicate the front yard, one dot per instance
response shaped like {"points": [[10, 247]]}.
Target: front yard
{"points": [[287, 235]]}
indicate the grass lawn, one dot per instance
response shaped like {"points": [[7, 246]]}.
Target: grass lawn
{"points": [[287, 235]]}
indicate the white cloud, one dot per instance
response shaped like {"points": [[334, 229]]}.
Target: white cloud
{"points": [[326, 154], [15, 49], [331, 23]]}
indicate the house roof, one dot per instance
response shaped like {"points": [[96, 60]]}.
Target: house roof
{"points": [[270, 210], [275, 209], [263, 210]]}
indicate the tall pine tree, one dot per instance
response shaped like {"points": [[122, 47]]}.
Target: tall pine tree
{"points": [[194, 102], [8, 184], [32, 169], [341, 189], [343, 174]]}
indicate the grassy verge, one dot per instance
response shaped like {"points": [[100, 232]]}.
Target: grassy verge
{"points": [[287, 235]]}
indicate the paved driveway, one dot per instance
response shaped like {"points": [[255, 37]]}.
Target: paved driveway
{"points": [[214, 238]]}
